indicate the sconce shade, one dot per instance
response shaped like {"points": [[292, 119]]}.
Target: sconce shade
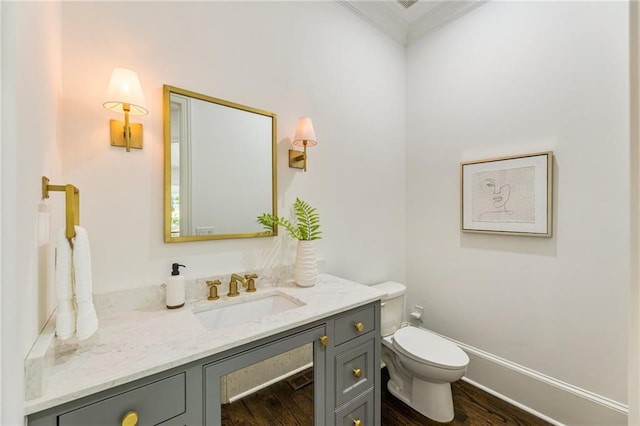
{"points": [[305, 136], [124, 88], [305, 132]]}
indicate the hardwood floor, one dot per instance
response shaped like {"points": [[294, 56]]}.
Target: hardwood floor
{"points": [[279, 404], [472, 407], [275, 405]]}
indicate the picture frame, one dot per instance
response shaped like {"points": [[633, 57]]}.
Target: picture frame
{"points": [[507, 195]]}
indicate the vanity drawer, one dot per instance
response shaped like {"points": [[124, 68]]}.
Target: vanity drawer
{"points": [[154, 403], [359, 412], [355, 324], [354, 372]]}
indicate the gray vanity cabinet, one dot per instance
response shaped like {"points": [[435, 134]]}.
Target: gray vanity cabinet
{"points": [[171, 398], [356, 367], [154, 403], [346, 360]]}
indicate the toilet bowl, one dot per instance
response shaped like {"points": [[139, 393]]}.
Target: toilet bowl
{"points": [[421, 364]]}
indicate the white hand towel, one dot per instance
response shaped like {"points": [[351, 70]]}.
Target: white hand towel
{"points": [[66, 316], [87, 322]]}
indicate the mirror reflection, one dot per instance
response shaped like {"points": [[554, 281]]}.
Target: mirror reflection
{"points": [[277, 390], [220, 167]]}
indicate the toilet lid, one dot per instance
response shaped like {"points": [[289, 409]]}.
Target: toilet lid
{"points": [[428, 348]]}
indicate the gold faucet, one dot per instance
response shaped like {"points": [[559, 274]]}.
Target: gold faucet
{"points": [[233, 284], [251, 282], [213, 290]]}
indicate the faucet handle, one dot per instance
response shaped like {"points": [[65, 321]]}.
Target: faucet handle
{"points": [[251, 287], [213, 290]]}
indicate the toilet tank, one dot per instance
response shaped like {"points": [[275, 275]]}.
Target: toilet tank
{"points": [[392, 309]]}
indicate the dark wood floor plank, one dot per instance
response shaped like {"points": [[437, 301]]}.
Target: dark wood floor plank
{"points": [[279, 404]]}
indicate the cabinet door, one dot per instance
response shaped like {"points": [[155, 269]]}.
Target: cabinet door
{"points": [[354, 324], [214, 371], [359, 412], [152, 404], [355, 372]]}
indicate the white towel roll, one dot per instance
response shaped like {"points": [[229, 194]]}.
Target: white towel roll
{"points": [[87, 321], [66, 316]]}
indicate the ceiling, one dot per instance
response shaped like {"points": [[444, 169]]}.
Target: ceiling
{"points": [[407, 24]]}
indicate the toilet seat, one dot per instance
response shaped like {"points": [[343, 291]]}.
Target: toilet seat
{"points": [[428, 348]]}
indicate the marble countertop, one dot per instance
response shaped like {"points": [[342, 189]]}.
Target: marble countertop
{"points": [[138, 342]]}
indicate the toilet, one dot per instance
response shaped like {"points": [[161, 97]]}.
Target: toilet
{"points": [[421, 364]]}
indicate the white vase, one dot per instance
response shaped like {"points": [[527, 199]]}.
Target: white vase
{"points": [[305, 270]]}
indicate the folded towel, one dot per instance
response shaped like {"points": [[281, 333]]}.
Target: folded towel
{"points": [[66, 317], [87, 321], [76, 316]]}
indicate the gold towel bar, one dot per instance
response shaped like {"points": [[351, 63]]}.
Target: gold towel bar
{"points": [[72, 204]]}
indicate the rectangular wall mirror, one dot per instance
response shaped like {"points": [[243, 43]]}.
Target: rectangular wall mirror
{"points": [[220, 167]]}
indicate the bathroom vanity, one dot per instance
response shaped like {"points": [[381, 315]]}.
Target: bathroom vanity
{"points": [[165, 367]]}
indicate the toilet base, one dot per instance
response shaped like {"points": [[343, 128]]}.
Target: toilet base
{"points": [[432, 400]]}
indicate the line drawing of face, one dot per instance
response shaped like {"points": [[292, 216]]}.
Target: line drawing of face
{"points": [[500, 195]]}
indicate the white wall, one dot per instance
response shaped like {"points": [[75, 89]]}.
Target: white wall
{"points": [[512, 78], [291, 58], [634, 154], [30, 89], [1, 225]]}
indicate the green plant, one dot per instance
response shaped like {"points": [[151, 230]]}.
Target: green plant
{"points": [[306, 226]]}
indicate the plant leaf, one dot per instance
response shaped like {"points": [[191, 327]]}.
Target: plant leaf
{"points": [[307, 217], [307, 222]]}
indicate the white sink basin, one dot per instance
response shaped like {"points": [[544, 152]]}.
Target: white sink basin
{"points": [[240, 311]]}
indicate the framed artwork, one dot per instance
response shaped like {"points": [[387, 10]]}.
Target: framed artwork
{"points": [[507, 195]]}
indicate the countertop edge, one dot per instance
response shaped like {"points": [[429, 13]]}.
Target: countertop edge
{"points": [[42, 403]]}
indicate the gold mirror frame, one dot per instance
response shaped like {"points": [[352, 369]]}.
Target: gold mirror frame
{"points": [[168, 238]]}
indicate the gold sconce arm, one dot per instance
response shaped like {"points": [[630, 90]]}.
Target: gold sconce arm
{"points": [[127, 128], [297, 159], [125, 133]]}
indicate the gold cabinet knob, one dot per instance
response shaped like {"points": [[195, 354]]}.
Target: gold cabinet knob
{"points": [[359, 326], [357, 372], [130, 419], [324, 340], [357, 422]]}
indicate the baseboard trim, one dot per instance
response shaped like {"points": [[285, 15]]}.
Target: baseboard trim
{"points": [[512, 402], [545, 397], [582, 393]]}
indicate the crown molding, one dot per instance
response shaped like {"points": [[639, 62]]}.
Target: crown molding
{"points": [[445, 12], [407, 25], [377, 15]]}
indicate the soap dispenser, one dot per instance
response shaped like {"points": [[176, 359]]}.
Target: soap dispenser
{"points": [[175, 288]]}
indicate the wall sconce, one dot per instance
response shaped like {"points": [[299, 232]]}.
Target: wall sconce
{"points": [[305, 136], [125, 95]]}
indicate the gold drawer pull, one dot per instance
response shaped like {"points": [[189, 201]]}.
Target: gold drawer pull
{"points": [[357, 422], [324, 340], [357, 372], [359, 326], [130, 419]]}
